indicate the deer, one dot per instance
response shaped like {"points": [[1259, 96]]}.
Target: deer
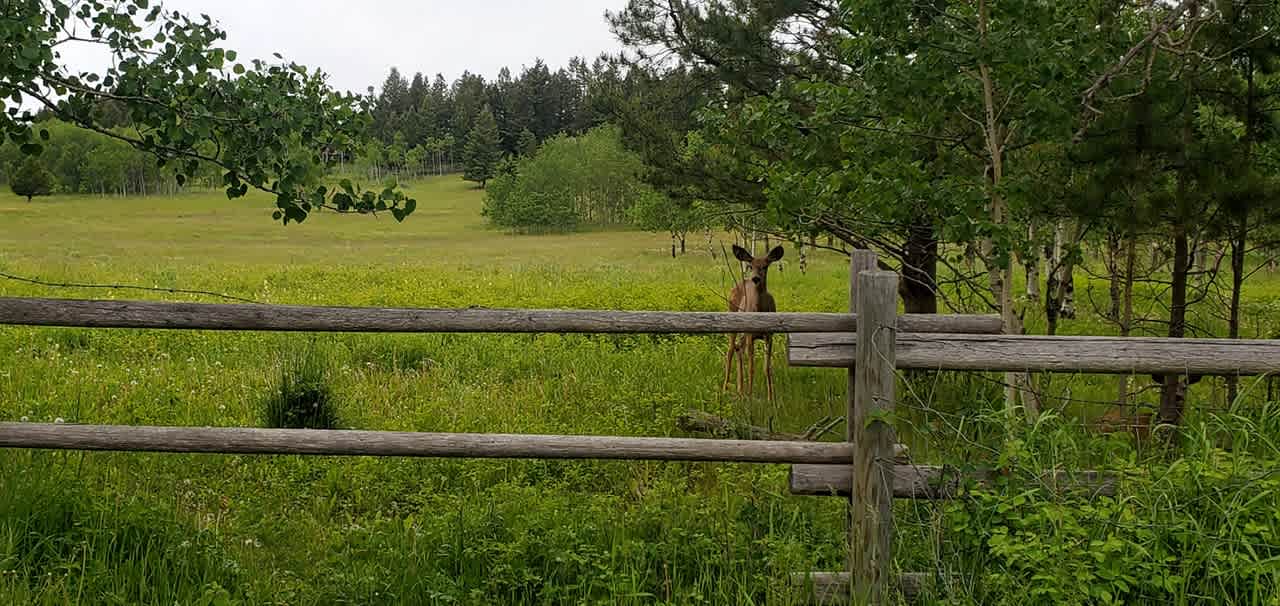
{"points": [[1116, 421], [752, 295]]}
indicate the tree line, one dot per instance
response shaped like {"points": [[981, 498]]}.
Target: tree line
{"points": [[423, 125], [79, 161]]}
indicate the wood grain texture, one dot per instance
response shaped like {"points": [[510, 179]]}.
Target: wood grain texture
{"points": [[831, 588], [871, 501], [210, 316], [229, 440], [937, 482], [860, 260], [1013, 353]]}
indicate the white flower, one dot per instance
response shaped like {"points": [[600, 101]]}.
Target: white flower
{"points": [[59, 420], [191, 359], [24, 419]]}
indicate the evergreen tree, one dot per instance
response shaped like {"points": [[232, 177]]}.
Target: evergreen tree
{"points": [[31, 179], [483, 151], [468, 96], [391, 107], [527, 145]]}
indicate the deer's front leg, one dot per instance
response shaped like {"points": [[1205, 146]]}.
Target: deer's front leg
{"points": [[751, 364], [728, 361]]}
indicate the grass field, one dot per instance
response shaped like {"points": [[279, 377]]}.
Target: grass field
{"points": [[99, 528]]}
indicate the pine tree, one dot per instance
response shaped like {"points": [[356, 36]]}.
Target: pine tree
{"points": [[31, 179], [483, 151], [527, 144]]}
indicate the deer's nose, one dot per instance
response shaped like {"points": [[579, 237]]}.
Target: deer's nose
{"points": [[755, 279]]}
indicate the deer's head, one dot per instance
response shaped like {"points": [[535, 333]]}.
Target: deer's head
{"points": [[759, 265]]}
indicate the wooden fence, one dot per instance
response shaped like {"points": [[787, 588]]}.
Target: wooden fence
{"points": [[872, 341]]}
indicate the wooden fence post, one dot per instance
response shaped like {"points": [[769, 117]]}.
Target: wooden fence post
{"points": [[871, 499], [860, 260]]}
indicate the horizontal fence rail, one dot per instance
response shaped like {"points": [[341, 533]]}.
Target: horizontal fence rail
{"points": [[936, 482], [1012, 353], [219, 316], [833, 587], [229, 440]]}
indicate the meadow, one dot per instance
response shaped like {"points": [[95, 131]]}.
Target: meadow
{"points": [[108, 528]]}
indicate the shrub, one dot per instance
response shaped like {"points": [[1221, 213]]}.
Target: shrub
{"points": [[569, 181], [31, 179]]}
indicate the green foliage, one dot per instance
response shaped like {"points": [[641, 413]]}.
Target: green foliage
{"points": [[31, 179], [482, 154], [1201, 525], [656, 212], [189, 99], [90, 162], [304, 397], [527, 145], [590, 179]]}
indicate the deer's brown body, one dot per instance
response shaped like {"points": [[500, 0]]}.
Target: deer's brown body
{"points": [[752, 295], [1116, 421]]}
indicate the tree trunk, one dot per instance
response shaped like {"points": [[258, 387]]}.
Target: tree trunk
{"points": [[1052, 300], [1032, 267], [1059, 301], [1001, 278], [1237, 283], [1126, 309], [1114, 253], [919, 285], [1173, 392]]}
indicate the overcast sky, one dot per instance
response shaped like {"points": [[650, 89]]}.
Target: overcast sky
{"points": [[356, 43]]}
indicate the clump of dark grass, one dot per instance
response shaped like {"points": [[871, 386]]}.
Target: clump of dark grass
{"points": [[304, 397]]}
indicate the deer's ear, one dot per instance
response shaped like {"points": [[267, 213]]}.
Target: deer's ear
{"points": [[775, 254], [742, 254]]}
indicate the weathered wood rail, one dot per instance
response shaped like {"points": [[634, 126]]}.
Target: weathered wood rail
{"points": [[239, 440], [244, 316], [1073, 354], [939, 482]]}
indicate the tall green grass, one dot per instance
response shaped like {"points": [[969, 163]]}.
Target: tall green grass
{"points": [[117, 528]]}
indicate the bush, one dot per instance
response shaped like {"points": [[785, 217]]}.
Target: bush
{"points": [[304, 397], [31, 179], [569, 181]]}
